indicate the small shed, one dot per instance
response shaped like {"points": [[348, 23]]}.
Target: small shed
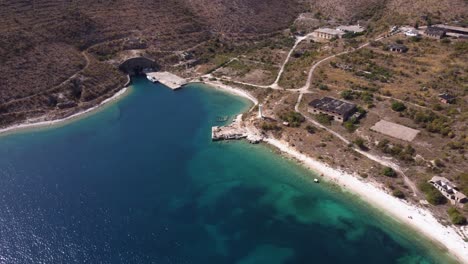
{"points": [[446, 98], [398, 48]]}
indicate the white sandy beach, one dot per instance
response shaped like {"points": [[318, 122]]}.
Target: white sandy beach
{"points": [[33, 124], [421, 218], [232, 90]]}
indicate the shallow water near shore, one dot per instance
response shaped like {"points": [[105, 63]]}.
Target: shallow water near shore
{"points": [[141, 182]]}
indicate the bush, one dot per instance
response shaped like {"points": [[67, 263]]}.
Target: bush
{"points": [[310, 129], [350, 125], [433, 196], [293, 118], [360, 143], [399, 194], [398, 106], [389, 172], [323, 119], [456, 217], [268, 126], [324, 87], [347, 95]]}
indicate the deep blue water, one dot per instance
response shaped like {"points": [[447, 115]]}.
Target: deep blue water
{"points": [[141, 182]]}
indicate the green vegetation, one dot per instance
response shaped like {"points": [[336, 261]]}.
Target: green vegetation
{"points": [[456, 217], [270, 127], [433, 196], [397, 150], [310, 129], [398, 106], [430, 121], [360, 143], [351, 124], [323, 87], [398, 193], [324, 119], [462, 178], [294, 119], [389, 172], [347, 95]]}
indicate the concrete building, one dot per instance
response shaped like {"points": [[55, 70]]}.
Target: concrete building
{"points": [[351, 28], [435, 32], [448, 189], [397, 48], [453, 31], [328, 33], [339, 110]]}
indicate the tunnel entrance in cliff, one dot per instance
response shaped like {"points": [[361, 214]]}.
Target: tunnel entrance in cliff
{"points": [[138, 65]]}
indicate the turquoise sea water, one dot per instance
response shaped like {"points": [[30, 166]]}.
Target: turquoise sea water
{"points": [[141, 182]]}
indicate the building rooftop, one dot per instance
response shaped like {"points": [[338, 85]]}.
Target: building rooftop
{"points": [[435, 31], [329, 31], [351, 28], [452, 28], [444, 182], [397, 46], [333, 105], [447, 96]]}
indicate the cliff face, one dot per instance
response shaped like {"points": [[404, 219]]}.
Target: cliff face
{"points": [[48, 47], [406, 10]]}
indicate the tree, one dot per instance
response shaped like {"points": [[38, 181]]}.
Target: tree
{"points": [[347, 94], [310, 129], [398, 193], [398, 106]]}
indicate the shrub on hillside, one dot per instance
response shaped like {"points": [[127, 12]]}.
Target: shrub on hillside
{"points": [[456, 217], [324, 119], [389, 172], [433, 196], [398, 106], [293, 118]]}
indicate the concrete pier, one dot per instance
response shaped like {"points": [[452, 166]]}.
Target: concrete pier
{"points": [[166, 78], [234, 131]]}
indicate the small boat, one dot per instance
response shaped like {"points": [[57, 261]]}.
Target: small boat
{"points": [[316, 180]]}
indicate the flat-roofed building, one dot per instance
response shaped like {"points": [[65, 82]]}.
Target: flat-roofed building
{"points": [[453, 29], [328, 33], [338, 109], [351, 28]]}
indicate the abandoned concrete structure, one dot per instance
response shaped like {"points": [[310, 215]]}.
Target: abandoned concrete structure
{"points": [[328, 33], [339, 110], [397, 48], [446, 98], [435, 32], [448, 189]]}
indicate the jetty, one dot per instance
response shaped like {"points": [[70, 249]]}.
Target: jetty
{"points": [[167, 79], [234, 131]]}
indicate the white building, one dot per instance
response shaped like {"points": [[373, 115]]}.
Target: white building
{"points": [[328, 33], [448, 189]]}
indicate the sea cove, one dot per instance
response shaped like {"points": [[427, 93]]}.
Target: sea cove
{"points": [[141, 182]]}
